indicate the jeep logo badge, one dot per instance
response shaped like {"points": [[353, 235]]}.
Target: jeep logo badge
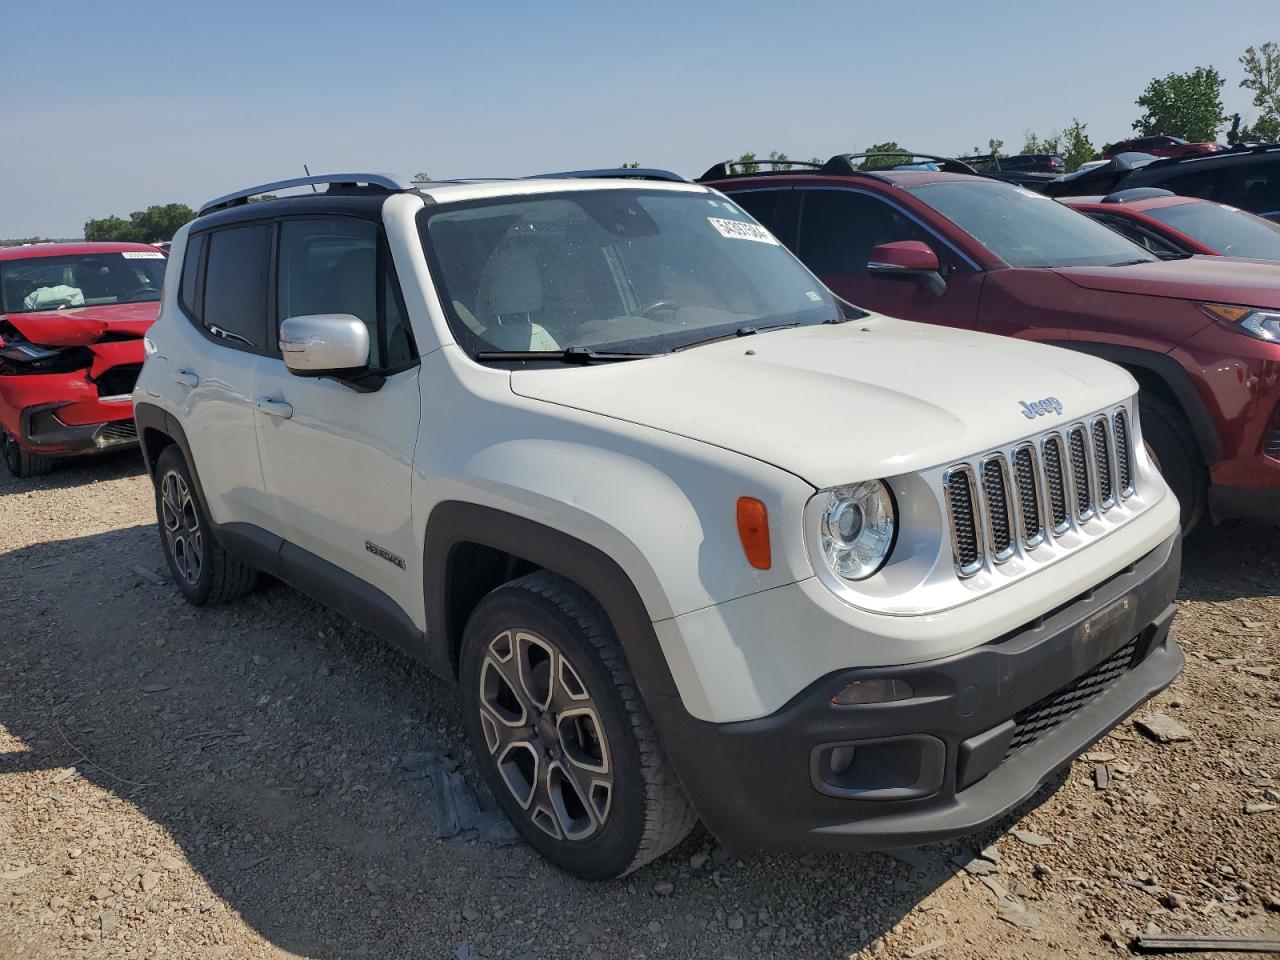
{"points": [[1040, 408]]}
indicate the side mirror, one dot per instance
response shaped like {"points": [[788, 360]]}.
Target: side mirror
{"points": [[324, 344], [908, 260]]}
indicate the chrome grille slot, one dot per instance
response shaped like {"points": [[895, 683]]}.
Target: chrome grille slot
{"points": [[1102, 463], [1081, 481], [999, 508], [1056, 480], [1026, 479], [962, 510], [1124, 454]]}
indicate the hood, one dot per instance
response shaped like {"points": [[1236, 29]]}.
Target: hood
{"points": [[79, 326], [1250, 283], [836, 404]]}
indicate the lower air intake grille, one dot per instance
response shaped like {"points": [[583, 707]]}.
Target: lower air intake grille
{"points": [[964, 520], [123, 431], [1038, 719], [1080, 479], [1271, 442]]}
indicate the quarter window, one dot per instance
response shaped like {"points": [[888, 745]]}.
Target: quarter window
{"points": [[190, 271], [339, 265], [235, 285]]}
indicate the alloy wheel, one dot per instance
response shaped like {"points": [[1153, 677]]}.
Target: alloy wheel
{"points": [[545, 735], [12, 455], [182, 526]]}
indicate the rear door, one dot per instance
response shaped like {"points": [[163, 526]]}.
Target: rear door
{"points": [[211, 378], [337, 462], [838, 229]]}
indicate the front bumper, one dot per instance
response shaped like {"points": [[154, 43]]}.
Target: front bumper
{"points": [[980, 733], [42, 430]]}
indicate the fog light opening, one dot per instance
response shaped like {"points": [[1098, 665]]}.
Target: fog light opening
{"points": [[879, 690]]}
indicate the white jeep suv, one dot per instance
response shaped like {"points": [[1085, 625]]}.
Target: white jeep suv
{"points": [[695, 538]]}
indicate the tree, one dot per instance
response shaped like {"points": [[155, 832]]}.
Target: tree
{"points": [[1075, 145], [1262, 76], [153, 225], [1034, 144], [421, 177], [885, 163], [747, 163], [779, 160], [633, 165], [1187, 105]]}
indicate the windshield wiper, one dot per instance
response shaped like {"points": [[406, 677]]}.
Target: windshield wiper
{"points": [[1129, 263], [745, 331], [581, 355]]}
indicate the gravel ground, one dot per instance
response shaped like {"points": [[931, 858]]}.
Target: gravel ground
{"points": [[249, 781]]}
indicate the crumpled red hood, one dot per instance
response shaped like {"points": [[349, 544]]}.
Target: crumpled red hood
{"points": [[1250, 283], [80, 326]]}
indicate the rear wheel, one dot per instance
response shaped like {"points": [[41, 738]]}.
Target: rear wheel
{"points": [[23, 463], [560, 733], [202, 569], [1173, 448]]}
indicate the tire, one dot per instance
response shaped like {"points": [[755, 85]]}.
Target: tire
{"points": [[574, 763], [1172, 446], [23, 463], [202, 569]]}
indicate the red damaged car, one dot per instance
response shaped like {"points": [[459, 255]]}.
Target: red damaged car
{"points": [[72, 319]]}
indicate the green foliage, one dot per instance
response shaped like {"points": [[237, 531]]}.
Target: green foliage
{"points": [[1187, 105], [1076, 145], [885, 163], [153, 225], [633, 165], [1034, 144], [780, 160], [746, 163], [1262, 76], [421, 177]]}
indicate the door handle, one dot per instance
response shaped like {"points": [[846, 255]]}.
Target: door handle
{"points": [[185, 377], [274, 408]]}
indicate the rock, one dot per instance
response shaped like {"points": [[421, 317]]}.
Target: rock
{"points": [[991, 853], [1260, 807], [975, 866], [664, 888], [1162, 728], [101, 893], [260, 661], [1032, 839], [470, 914], [1004, 898], [155, 688], [1020, 917], [735, 922], [57, 903], [933, 946], [148, 881], [17, 874], [1174, 901], [1272, 902], [109, 920], [698, 861], [170, 863], [1102, 776]]}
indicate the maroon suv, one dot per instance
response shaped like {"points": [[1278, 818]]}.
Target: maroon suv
{"points": [[1201, 334]]}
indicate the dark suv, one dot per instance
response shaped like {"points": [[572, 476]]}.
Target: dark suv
{"points": [[1201, 334], [1244, 177]]}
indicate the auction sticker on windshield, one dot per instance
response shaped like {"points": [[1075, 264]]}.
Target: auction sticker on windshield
{"points": [[142, 254], [737, 230]]}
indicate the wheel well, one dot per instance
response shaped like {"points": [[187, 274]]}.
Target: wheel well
{"points": [[153, 443], [1153, 383], [473, 571]]}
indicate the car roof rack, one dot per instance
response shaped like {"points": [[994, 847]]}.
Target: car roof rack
{"points": [[1137, 193], [384, 182], [1232, 151], [613, 173], [725, 169], [945, 164]]}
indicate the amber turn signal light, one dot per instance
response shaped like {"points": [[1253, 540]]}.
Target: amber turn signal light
{"points": [[753, 530]]}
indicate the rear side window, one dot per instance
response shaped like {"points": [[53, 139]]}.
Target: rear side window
{"points": [[190, 272], [340, 265], [840, 228], [235, 285], [1206, 184]]}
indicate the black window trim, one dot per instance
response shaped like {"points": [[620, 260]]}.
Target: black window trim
{"points": [[382, 258], [964, 257]]}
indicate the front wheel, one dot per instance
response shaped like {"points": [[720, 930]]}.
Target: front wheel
{"points": [[560, 734], [23, 463], [1173, 448]]}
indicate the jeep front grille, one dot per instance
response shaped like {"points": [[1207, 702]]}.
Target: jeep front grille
{"points": [[1037, 490]]}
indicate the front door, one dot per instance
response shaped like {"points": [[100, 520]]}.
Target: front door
{"points": [[337, 462]]}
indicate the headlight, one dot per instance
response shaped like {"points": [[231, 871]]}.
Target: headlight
{"points": [[856, 527], [1262, 324]]}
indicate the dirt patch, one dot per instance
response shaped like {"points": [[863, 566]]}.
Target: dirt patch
{"points": [[247, 781]]}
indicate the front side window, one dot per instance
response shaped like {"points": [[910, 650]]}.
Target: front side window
{"points": [[627, 270], [80, 280], [1138, 234], [1233, 233], [339, 265], [235, 285], [1026, 229], [840, 228]]}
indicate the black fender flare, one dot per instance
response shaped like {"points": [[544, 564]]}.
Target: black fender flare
{"points": [[149, 416], [1171, 374], [453, 523]]}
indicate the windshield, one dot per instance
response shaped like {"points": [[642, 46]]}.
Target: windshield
{"points": [[1026, 229], [80, 280], [1232, 232], [634, 270]]}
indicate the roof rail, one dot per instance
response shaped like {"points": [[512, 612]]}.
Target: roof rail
{"points": [[1137, 193], [379, 181], [723, 170], [613, 173], [945, 164]]}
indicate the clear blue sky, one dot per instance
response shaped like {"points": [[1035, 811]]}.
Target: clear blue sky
{"points": [[110, 107]]}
